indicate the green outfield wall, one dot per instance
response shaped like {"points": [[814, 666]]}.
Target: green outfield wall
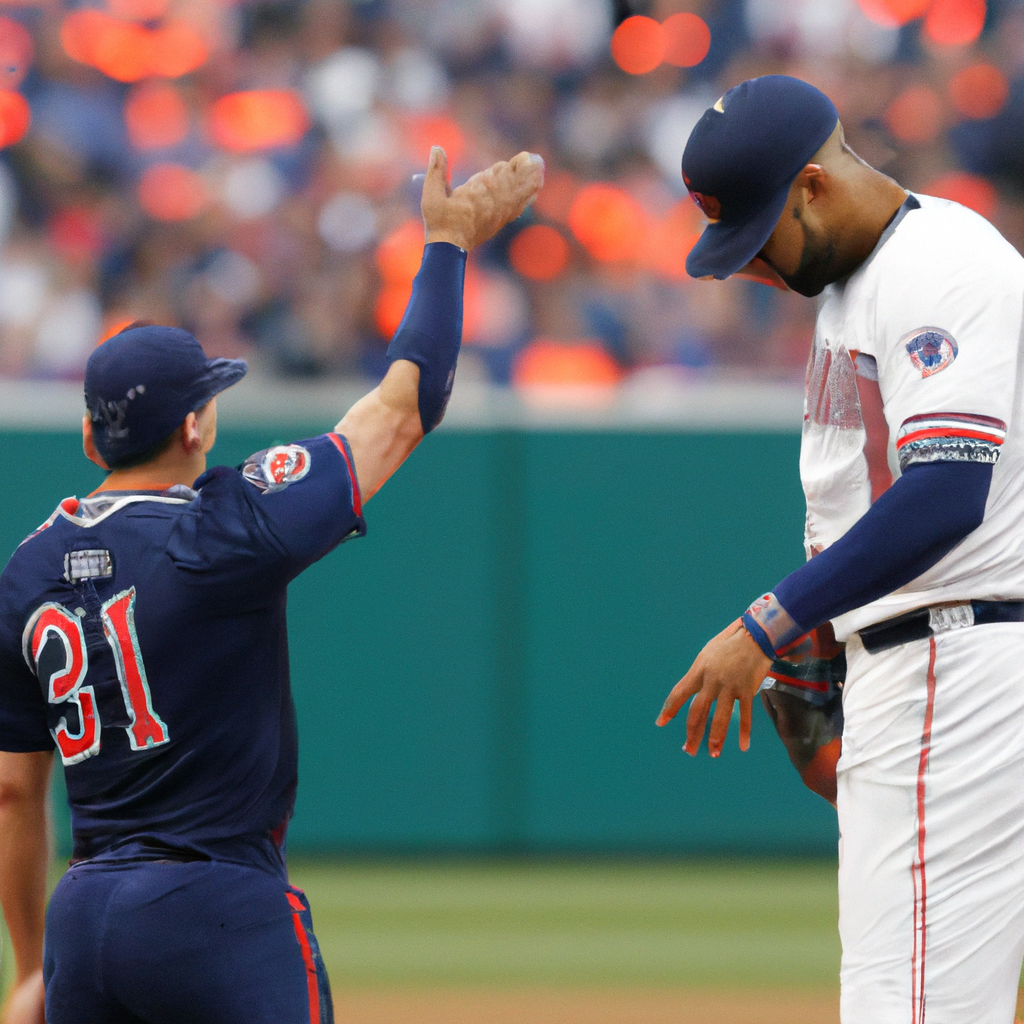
{"points": [[481, 673]]}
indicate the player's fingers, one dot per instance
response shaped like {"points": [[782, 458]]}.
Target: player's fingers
{"points": [[517, 180], [746, 715], [529, 171], [720, 723], [435, 184], [679, 695], [697, 718]]}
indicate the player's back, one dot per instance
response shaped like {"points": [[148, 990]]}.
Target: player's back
{"points": [[154, 623]]}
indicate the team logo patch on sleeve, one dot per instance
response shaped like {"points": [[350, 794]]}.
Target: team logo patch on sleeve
{"points": [[930, 349], [277, 468]]}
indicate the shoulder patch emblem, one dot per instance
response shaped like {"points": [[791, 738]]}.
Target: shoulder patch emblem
{"points": [[930, 349], [277, 468]]}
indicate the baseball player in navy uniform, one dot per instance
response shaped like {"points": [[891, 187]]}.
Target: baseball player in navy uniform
{"points": [[142, 636], [912, 463]]}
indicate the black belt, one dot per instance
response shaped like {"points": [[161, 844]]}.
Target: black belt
{"points": [[938, 618]]}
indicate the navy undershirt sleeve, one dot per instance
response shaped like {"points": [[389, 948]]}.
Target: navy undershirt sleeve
{"points": [[430, 333], [923, 516]]}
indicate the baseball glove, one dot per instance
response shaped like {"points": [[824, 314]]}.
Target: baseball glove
{"points": [[803, 695]]}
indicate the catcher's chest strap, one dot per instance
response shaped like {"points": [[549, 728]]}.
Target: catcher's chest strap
{"points": [[939, 618]]}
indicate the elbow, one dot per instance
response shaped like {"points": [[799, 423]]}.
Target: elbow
{"points": [[24, 780]]}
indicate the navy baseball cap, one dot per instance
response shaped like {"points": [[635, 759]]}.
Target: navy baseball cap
{"points": [[142, 383], [740, 160]]}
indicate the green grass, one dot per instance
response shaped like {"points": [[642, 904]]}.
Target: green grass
{"points": [[710, 924], [714, 924]]}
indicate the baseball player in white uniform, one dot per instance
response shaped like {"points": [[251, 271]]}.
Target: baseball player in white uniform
{"points": [[912, 463]]}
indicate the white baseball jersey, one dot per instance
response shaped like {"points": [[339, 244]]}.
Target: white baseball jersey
{"points": [[917, 358]]}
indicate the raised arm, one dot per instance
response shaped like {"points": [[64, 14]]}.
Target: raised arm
{"points": [[24, 858], [384, 426]]}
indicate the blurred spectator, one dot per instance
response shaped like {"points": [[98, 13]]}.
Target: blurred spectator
{"points": [[244, 169]]}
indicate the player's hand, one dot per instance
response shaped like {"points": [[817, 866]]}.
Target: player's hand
{"points": [[730, 668], [26, 1003], [480, 208]]}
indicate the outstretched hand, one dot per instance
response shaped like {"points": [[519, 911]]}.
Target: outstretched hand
{"points": [[478, 209], [730, 668]]}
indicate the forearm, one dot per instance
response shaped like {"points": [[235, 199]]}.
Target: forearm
{"points": [[24, 858], [921, 518], [430, 333], [383, 427]]}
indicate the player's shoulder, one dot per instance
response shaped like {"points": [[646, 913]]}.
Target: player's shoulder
{"points": [[944, 234], [276, 468]]}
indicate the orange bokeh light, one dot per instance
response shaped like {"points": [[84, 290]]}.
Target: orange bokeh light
{"points": [[139, 10], [916, 115], [115, 323], [967, 189], [156, 116], [555, 199], [171, 192], [671, 239], [15, 117], [389, 307], [177, 49], [979, 91], [638, 45], [436, 130], [399, 253], [129, 52], [16, 52], [539, 252], [552, 363], [398, 259], [246, 122], [893, 12], [954, 22], [81, 32], [609, 223], [687, 39], [123, 51]]}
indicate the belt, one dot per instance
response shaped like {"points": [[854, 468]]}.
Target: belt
{"points": [[938, 618]]}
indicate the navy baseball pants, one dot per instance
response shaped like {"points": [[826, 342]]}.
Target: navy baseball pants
{"points": [[172, 942]]}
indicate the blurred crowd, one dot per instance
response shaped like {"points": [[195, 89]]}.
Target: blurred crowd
{"points": [[244, 169]]}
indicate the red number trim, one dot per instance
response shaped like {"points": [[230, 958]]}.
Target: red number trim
{"points": [[52, 620], [118, 614]]}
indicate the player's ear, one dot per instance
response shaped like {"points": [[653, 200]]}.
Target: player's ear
{"points": [[191, 438], [89, 443], [813, 179]]}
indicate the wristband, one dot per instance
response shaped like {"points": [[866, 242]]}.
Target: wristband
{"points": [[771, 626], [430, 333]]}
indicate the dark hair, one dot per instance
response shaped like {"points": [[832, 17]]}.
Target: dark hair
{"points": [[153, 452]]}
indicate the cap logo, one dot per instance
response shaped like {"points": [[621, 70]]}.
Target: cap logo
{"points": [[709, 206], [112, 414], [931, 350]]}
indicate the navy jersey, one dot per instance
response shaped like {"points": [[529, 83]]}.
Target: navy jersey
{"points": [[144, 635]]}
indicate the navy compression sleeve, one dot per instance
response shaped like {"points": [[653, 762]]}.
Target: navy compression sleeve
{"points": [[923, 516], [431, 330]]}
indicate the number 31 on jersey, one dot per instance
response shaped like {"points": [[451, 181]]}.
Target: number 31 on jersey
{"points": [[65, 680]]}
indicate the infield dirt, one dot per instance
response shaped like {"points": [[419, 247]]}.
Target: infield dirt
{"points": [[539, 1006]]}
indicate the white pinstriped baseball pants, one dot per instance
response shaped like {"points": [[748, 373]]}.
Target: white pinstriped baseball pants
{"points": [[931, 817]]}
